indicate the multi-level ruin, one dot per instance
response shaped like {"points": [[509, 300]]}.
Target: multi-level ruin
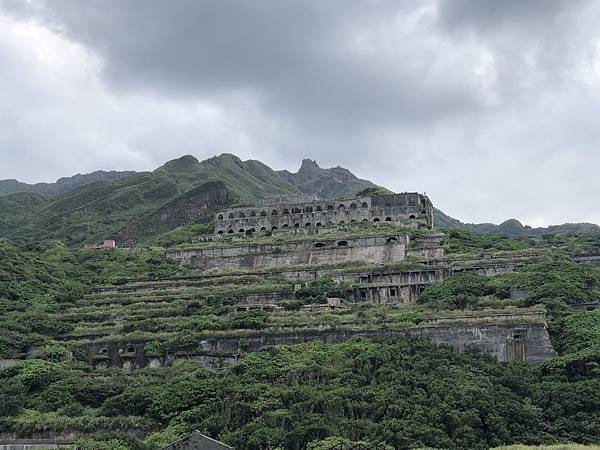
{"points": [[406, 208], [378, 251]]}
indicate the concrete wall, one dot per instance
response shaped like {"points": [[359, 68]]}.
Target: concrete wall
{"points": [[392, 208], [506, 342], [374, 249]]}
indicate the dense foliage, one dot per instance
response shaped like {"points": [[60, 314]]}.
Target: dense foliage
{"points": [[405, 393]]}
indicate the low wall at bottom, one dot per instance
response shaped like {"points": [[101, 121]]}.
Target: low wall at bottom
{"points": [[528, 342]]}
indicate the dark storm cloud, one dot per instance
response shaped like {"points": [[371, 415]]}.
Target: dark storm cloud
{"points": [[487, 105]]}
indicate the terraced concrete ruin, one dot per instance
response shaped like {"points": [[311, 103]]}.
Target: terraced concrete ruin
{"points": [[381, 266]]}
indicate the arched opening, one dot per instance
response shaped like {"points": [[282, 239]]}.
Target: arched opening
{"points": [[241, 230], [353, 221], [252, 213], [342, 243], [352, 205], [364, 205], [263, 213], [250, 231], [220, 217], [307, 224], [274, 212], [376, 219], [285, 211], [329, 207], [319, 208], [130, 349], [241, 215], [365, 220], [273, 227], [308, 209], [103, 351], [391, 239], [230, 232], [220, 232], [319, 244], [285, 225], [319, 224], [296, 225], [296, 210], [341, 207], [231, 216], [388, 219], [341, 222], [263, 229], [412, 216]]}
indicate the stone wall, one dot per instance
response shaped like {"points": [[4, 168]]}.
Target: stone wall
{"points": [[394, 208], [528, 341], [374, 249]]}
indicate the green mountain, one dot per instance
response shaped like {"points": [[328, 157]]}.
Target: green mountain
{"points": [[141, 205], [62, 185], [136, 208]]}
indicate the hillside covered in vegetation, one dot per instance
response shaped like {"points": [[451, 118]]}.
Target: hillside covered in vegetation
{"points": [[402, 392]]}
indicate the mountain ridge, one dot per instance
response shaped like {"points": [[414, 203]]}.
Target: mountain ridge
{"points": [[135, 207]]}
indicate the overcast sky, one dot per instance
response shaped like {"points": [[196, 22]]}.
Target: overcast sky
{"points": [[491, 107]]}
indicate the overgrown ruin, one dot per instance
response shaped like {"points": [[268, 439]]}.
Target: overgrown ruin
{"points": [[384, 264]]}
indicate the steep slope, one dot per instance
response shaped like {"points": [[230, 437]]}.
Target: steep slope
{"points": [[326, 183], [136, 207], [14, 208], [62, 185]]}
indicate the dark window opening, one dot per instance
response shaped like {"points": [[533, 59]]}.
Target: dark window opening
{"points": [[376, 219], [342, 243], [231, 215], [286, 211], [330, 207], [392, 292], [273, 227], [263, 213], [308, 209], [230, 232], [252, 214], [274, 212], [220, 217], [241, 215], [364, 205], [242, 230], [391, 239], [388, 219], [263, 229], [412, 216], [220, 232], [319, 224], [307, 224], [285, 225], [296, 225], [352, 205], [296, 210], [319, 244], [319, 208]]}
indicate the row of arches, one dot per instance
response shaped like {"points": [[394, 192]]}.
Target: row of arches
{"points": [[298, 225], [295, 210]]}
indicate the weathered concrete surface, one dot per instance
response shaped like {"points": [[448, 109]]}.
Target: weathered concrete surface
{"points": [[374, 249], [393, 208], [30, 444], [527, 341]]}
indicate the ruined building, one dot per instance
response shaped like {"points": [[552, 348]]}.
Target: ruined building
{"points": [[408, 207]]}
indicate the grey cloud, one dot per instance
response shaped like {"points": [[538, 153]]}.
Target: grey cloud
{"points": [[486, 105]]}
